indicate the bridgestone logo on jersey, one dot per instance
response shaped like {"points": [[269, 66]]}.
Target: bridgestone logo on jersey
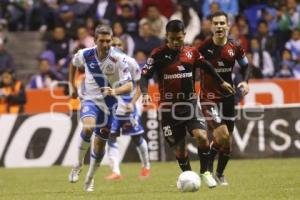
{"points": [[176, 76], [223, 70]]}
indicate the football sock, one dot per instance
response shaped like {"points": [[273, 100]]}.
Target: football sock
{"points": [[222, 162], [94, 163], [142, 149], [84, 144], [184, 163], [113, 156], [212, 154], [204, 158]]}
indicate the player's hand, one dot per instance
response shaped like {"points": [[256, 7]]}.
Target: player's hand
{"points": [[73, 92], [129, 108], [108, 91], [146, 99], [244, 87], [227, 87]]}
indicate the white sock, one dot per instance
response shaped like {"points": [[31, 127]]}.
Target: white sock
{"points": [[113, 156], [94, 163], [83, 146], [142, 150]]}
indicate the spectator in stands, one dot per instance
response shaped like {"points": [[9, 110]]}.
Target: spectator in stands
{"points": [[294, 44], [84, 39], [243, 25], [190, 19], [127, 40], [6, 59], [46, 77], [157, 21], [146, 42], [270, 16], [103, 10], [12, 93], [59, 43], [262, 58], [231, 7], [79, 9], [286, 65], [205, 32], [67, 19], [256, 70], [235, 34], [266, 41], [128, 20], [166, 7]]}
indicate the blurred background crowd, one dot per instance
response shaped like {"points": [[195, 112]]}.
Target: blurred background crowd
{"points": [[50, 31]]}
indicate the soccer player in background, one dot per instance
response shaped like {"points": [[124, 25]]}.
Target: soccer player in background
{"points": [[174, 65], [217, 106], [107, 75], [129, 124]]}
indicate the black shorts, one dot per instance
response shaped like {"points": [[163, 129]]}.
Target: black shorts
{"points": [[179, 120], [219, 113]]}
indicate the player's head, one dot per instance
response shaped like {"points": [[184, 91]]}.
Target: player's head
{"points": [[103, 37], [219, 24], [175, 34], [118, 43]]}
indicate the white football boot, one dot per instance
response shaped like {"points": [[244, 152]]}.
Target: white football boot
{"points": [[208, 179]]}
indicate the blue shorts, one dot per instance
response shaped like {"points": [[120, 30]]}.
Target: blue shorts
{"points": [[103, 120], [127, 125]]}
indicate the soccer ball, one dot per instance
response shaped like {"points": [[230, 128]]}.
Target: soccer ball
{"points": [[188, 181]]}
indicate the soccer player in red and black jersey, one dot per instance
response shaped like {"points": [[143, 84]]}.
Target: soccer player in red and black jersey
{"points": [[217, 106], [174, 64]]}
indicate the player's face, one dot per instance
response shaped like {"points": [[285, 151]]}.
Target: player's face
{"points": [[220, 26], [175, 40], [103, 41]]}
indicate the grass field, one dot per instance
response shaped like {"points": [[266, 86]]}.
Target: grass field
{"points": [[249, 179]]}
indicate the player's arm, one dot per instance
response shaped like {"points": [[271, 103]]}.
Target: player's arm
{"points": [[125, 81], [77, 62], [147, 73], [245, 71], [208, 67]]}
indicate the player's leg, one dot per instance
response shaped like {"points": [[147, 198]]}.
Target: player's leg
{"points": [[142, 149], [88, 118], [174, 133], [97, 154], [223, 140], [196, 126], [182, 155], [113, 150], [101, 131]]}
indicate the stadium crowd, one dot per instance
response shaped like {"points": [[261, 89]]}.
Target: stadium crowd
{"points": [[268, 30]]}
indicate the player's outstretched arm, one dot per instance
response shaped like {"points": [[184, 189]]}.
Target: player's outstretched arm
{"points": [[207, 66]]}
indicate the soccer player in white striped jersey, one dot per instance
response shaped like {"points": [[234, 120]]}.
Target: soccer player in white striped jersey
{"points": [[127, 122], [107, 75]]}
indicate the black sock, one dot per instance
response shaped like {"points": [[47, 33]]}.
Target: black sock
{"points": [[184, 164], [222, 162], [204, 158], [212, 154]]}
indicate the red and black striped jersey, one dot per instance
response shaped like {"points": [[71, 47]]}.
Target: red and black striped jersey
{"points": [[223, 59], [175, 72]]}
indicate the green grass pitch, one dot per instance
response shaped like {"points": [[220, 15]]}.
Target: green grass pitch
{"points": [[249, 179]]}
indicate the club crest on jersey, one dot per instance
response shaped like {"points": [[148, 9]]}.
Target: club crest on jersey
{"points": [[189, 54], [149, 61], [230, 52], [85, 109], [109, 69], [92, 65]]}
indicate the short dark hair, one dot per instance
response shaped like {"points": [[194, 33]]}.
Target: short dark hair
{"points": [[103, 29], [175, 26], [217, 14]]}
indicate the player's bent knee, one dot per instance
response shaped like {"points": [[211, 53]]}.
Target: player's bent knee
{"points": [[136, 139], [200, 135], [88, 131]]}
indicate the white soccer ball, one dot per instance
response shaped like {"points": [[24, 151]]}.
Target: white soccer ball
{"points": [[188, 181]]}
